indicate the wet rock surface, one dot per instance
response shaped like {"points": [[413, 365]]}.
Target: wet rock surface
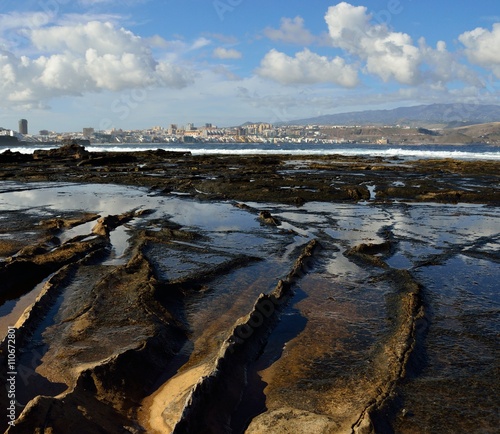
{"points": [[287, 179], [253, 295]]}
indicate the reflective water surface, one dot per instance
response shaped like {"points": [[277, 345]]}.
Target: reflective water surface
{"points": [[320, 357]]}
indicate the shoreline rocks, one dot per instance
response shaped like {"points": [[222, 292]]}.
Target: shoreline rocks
{"points": [[287, 179]]}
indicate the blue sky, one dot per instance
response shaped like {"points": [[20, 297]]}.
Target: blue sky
{"points": [[132, 64]]}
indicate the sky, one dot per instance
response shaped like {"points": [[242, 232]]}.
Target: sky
{"points": [[136, 64]]}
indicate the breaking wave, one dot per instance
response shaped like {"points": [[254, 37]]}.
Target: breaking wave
{"points": [[459, 152]]}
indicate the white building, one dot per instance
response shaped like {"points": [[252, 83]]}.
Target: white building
{"points": [[4, 132]]}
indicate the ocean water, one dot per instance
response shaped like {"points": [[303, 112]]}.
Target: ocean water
{"points": [[407, 152]]}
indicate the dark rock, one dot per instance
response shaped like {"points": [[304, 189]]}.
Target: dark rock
{"points": [[13, 157], [268, 219], [299, 201], [71, 150], [109, 159], [242, 206], [371, 248], [356, 192]]}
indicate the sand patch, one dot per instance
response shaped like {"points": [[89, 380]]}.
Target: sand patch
{"points": [[161, 410]]}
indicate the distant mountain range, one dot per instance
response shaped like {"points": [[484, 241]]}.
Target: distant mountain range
{"points": [[448, 115]]}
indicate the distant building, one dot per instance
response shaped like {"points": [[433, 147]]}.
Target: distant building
{"points": [[44, 132], [4, 132], [23, 126], [87, 132]]}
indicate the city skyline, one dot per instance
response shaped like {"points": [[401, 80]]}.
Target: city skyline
{"points": [[68, 65]]}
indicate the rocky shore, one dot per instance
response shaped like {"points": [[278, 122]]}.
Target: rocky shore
{"points": [[253, 294], [284, 179]]}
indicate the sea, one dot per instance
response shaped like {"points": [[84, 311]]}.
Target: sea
{"points": [[405, 152]]}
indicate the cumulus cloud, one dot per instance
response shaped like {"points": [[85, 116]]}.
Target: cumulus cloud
{"points": [[307, 68], [226, 53], [393, 55], [390, 55], [481, 47], [444, 66], [84, 58], [104, 38], [378, 51], [291, 31]]}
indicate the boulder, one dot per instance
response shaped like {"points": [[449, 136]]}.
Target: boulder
{"points": [[69, 150], [268, 219]]}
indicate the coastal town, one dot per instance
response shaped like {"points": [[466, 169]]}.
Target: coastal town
{"points": [[267, 133]]}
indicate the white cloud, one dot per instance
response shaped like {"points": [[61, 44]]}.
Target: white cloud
{"points": [[13, 28], [382, 52], [444, 66], [84, 58], [74, 19], [291, 31], [157, 41], [347, 24], [104, 38], [392, 55], [27, 21], [200, 43], [482, 47], [16, 20], [226, 53], [307, 68]]}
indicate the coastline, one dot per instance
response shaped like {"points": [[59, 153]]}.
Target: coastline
{"points": [[260, 177]]}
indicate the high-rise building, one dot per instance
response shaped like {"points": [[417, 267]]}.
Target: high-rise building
{"points": [[23, 126]]}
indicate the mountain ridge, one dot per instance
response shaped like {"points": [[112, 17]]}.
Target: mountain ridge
{"points": [[447, 115]]}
